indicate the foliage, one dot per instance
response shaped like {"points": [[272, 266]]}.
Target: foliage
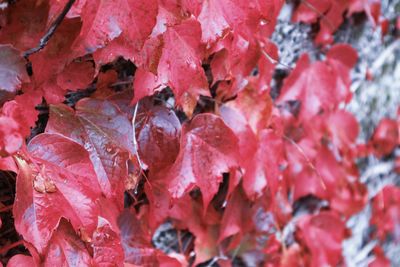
{"points": [[178, 125]]}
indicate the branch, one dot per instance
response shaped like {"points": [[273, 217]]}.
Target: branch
{"points": [[50, 32]]}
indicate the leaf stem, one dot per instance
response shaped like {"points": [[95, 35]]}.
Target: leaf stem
{"points": [[135, 143], [5, 249], [309, 163], [323, 17], [274, 61], [50, 32], [6, 208]]}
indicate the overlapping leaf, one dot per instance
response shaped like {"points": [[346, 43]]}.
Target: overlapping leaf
{"points": [[251, 172], [105, 133], [320, 85], [208, 149], [56, 180], [12, 71]]}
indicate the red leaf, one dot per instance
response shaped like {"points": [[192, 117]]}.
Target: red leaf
{"points": [[65, 248], [57, 54], [103, 23], [8, 163], [149, 57], [12, 71], [159, 202], [371, 7], [386, 213], [17, 117], [344, 54], [312, 84], [263, 166], [320, 85], [244, 18], [180, 64], [133, 19], [105, 133], [22, 110], [169, 13], [266, 67], [344, 129], [385, 137], [136, 240], [51, 185], [213, 23], [107, 248], [208, 148], [235, 218], [145, 84], [309, 11], [328, 12], [323, 235], [76, 75], [346, 194], [56, 7], [254, 107], [20, 260], [157, 132], [236, 57], [188, 213], [23, 23], [330, 22], [380, 259], [11, 139], [294, 257], [260, 154]]}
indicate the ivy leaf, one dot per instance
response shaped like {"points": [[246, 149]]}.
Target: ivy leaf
{"points": [[236, 214], [234, 63], [157, 132], [106, 134], [372, 9], [310, 11], [385, 137], [24, 23], [58, 54], [320, 85], [245, 18], [12, 71], [386, 213], [11, 139], [180, 64], [56, 180], [135, 20], [76, 75], [20, 260], [103, 23], [323, 234], [22, 110], [65, 247], [260, 149], [107, 248], [213, 23], [136, 240], [208, 149], [145, 84]]}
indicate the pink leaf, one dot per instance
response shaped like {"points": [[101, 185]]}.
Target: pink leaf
{"points": [[208, 148]]}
